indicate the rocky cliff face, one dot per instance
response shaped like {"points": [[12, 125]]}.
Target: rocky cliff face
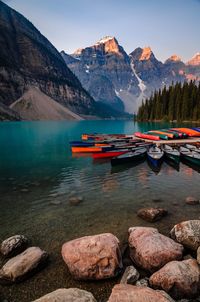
{"points": [[104, 70], [147, 67], [28, 59], [7, 114]]}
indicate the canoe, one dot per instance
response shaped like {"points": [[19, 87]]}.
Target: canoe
{"points": [[161, 136], [171, 153], [147, 136], [133, 156], [172, 163], [169, 135], [176, 134], [155, 155], [80, 144], [89, 149], [190, 156], [189, 132], [109, 154], [99, 136], [181, 134], [192, 147], [196, 129]]}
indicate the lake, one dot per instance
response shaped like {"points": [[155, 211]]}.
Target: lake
{"points": [[38, 175]]}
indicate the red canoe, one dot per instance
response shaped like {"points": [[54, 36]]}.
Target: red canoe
{"points": [[109, 154], [147, 136]]}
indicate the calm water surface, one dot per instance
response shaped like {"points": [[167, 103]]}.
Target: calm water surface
{"points": [[38, 175]]}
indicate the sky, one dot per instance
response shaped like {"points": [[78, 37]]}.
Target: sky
{"points": [[167, 26]]}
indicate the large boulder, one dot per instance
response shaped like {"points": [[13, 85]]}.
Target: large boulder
{"points": [[93, 257], [23, 265], [180, 279], [131, 293], [187, 233], [67, 295], [151, 250], [151, 214], [13, 245]]}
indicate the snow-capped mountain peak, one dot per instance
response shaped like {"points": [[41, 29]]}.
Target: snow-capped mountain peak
{"points": [[105, 40]]}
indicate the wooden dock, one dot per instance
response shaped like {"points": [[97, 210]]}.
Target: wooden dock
{"points": [[191, 140]]}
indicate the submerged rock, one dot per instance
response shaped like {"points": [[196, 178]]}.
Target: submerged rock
{"points": [[13, 245], [67, 295], [93, 257], [130, 276], [192, 200], [56, 202], [131, 293], [22, 265], [110, 185], [74, 201], [152, 214], [157, 200], [151, 250], [181, 279], [187, 233]]}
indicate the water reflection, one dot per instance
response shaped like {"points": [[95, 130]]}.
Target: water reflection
{"points": [[38, 174]]}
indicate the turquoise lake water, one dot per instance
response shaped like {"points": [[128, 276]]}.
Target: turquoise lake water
{"points": [[38, 175]]}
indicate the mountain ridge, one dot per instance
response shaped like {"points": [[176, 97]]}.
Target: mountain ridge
{"points": [[29, 59], [147, 72]]}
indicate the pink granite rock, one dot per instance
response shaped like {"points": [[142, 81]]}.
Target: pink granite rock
{"points": [[181, 279], [131, 293], [151, 250], [187, 233], [67, 295], [152, 214], [23, 265], [93, 257]]}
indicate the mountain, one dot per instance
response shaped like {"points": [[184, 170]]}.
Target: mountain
{"points": [[195, 61], [28, 59], [147, 67], [122, 81], [35, 105], [7, 114], [192, 69], [105, 71]]}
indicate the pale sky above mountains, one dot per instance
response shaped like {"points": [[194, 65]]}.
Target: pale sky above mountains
{"points": [[168, 27]]}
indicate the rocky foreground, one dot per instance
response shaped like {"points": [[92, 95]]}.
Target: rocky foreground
{"points": [[159, 268]]}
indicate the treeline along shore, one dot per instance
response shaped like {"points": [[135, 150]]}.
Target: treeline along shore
{"points": [[180, 102]]}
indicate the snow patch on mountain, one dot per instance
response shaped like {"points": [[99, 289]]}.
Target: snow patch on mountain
{"points": [[104, 40], [141, 84]]}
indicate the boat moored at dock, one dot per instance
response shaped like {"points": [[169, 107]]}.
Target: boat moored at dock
{"points": [[189, 155], [171, 153], [155, 155], [147, 136], [133, 156]]}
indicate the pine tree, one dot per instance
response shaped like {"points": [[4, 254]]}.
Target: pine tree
{"points": [[177, 102]]}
